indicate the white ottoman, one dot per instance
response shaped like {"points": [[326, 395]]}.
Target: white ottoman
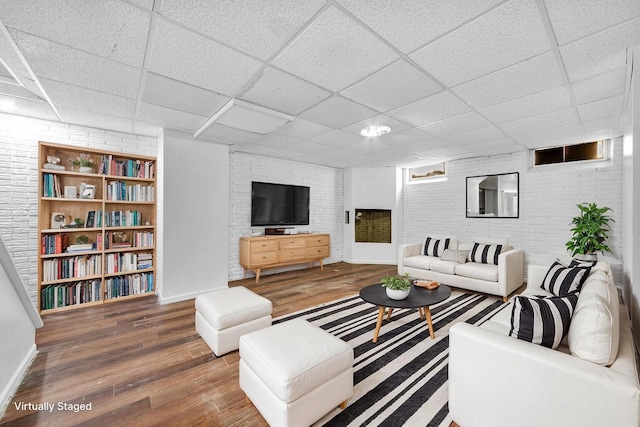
{"points": [[224, 315], [295, 372]]}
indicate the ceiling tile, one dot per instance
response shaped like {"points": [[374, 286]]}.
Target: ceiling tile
{"points": [[449, 153], [600, 109], [335, 52], [309, 147], [601, 52], [222, 133], [507, 35], [550, 137], [66, 95], [302, 129], [56, 62], [110, 29], [398, 84], [247, 26], [431, 109], [545, 121], [532, 105], [494, 146], [606, 127], [571, 20], [276, 141], [338, 139], [27, 107], [337, 112], [170, 119], [380, 119], [605, 85], [169, 93], [528, 77], [476, 136], [409, 24], [454, 125], [281, 91], [146, 129], [406, 137], [18, 92], [368, 146], [194, 59], [100, 121]]}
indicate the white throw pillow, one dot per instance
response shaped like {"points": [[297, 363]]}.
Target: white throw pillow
{"points": [[594, 333]]}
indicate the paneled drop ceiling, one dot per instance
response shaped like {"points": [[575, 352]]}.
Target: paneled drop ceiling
{"points": [[453, 79]]}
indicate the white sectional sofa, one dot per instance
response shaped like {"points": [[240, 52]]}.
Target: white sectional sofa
{"points": [[499, 279], [590, 379]]}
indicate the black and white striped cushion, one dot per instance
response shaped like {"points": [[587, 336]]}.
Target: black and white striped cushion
{"points": [[485, 254], [435, 247], [540, 320], [582, 264], [561, 280]]}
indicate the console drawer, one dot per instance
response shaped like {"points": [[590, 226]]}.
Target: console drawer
{"points": [[263, 245], [322, 240], [293, 254], [262, 258], [316, 252], [291, 243]]}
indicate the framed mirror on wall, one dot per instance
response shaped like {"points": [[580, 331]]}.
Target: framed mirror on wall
{"points": [[493, 196]]}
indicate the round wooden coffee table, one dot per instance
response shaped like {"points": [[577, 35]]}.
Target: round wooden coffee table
{"points": [[419, 298]]}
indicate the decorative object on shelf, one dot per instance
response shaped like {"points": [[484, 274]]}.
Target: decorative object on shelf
{"points": [[397, 287], [58, 220], [53, 163], [590, 230], [82, 239], [70, 192], [79, 222], [83, 163]]}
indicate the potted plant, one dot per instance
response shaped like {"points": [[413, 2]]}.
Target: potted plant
{"points": [[397, 287], [84, 163], [590, 230], [82, 239]]}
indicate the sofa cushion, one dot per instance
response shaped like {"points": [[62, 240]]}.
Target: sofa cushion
{"points": [[419, 261], [561, 280], [455, 255], [486, 254], [542, 320], [475, 270], [594, 334], [446, 267], [435, 247]]}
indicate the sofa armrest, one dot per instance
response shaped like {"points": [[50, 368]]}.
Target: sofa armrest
{"points": [[496, 380], [510, 270], [405, 251]]}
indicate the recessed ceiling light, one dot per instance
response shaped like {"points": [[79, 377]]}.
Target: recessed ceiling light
{"points": [[375, 130]]}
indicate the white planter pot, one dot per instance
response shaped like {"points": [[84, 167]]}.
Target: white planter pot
{"points": [[586, 257], [397, 294], [86, 169]]}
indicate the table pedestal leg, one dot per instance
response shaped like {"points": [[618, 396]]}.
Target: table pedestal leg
{"points": [[378, 323], [427, 313]]}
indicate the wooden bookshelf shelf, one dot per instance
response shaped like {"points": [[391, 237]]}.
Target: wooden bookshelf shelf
{"points": [[66, 196]]}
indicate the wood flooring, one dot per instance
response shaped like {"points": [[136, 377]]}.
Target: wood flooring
{"points": [[139, 363]]}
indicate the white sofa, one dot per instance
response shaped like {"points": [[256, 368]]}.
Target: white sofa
{"points": [[498, 380], [502, 279]]}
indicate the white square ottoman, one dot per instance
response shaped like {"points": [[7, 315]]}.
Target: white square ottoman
{"points": [[222, 316], [295, 372]]}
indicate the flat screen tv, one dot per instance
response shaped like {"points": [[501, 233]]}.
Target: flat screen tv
{"points": [[279, 204]]}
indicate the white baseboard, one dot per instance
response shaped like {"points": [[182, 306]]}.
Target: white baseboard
{"points": [[16, 378], [186, 296]]}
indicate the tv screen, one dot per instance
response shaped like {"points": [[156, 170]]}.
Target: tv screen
{"points": [[279, 204]]}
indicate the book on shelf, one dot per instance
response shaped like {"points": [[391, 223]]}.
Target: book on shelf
{"points": [[51, 186], [53, 244], [80, 247], [53, 166]]}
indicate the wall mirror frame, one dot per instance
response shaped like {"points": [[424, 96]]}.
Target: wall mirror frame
{"points": [[493, 196]]}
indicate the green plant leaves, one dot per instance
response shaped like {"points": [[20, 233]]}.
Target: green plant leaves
{"points": [[590, 230]]}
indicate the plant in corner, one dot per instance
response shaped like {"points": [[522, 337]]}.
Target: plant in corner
{"points": [[397, 287], [590, 230]]}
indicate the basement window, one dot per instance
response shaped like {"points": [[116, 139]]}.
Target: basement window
{"points": [[427, 173], [586, 151]]}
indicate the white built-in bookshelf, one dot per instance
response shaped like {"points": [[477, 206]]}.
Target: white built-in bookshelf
{"points": [[113, 205]]}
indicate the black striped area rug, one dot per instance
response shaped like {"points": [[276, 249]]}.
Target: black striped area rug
{"points": [[401, 379]]}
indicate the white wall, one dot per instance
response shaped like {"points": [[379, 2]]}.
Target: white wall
{"points": [[372, 188], [325, 216], [548, 199], [19, 138], [194, 216], [631, 193]]}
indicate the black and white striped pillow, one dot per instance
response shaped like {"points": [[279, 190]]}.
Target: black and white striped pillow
{"points": [[435, 247], [485, 254], [582, 264], [542, 320], [561, 280]]}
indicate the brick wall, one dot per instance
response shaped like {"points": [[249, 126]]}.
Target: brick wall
{"points": [[548, 199], [326, 194], [19, 138]]}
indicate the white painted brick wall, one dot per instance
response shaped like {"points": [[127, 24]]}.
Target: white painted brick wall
{"points": [[19, 138], [548, 199], [326, 205]]}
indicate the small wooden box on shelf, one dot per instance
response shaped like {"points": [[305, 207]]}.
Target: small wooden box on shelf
{"points": [[96, 226]]}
